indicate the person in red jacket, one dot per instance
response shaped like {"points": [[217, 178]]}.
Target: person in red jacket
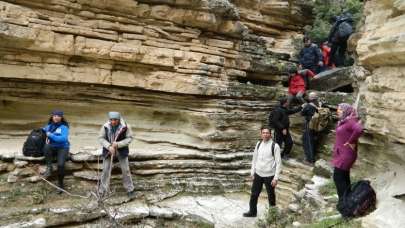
{"points": [[326, 54], [298, 83]]}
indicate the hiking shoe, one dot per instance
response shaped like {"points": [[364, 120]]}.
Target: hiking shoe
{"points": [[131, 194], [249, 214]]}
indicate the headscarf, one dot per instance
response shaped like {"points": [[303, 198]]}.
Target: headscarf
{"points": [[349, 112]]}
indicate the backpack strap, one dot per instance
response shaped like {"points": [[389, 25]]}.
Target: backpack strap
{"points": [[273, 144], [258, 145]]}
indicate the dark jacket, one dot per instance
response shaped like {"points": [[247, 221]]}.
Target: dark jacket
{"points": [[280, 117], [122, 136], [59, 137], [333, 36], [309, 110], [309, 57]]}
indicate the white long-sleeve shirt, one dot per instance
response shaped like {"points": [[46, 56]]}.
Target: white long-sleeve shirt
{"points": [[263, 163]]}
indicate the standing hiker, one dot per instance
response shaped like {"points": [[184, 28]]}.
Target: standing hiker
{"points": [[57, 145], [280, 121], [348, 131], [340, 32], [266, 168], [316, 119], [115, 137], [310, 57]]}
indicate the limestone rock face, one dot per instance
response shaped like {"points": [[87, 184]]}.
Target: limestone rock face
{"points": [[194, 79], [381, 50]]}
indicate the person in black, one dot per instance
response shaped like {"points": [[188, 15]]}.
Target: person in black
{"points": [[280, 121], [310, 137], [310, 57], [340, 32]]}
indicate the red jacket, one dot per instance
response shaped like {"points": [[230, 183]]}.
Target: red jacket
{"points": [[326, 55], [297, 82]]}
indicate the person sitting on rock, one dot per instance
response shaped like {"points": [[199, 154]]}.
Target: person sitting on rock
{"points": [[310, 57], [266, 168], [115, 136], [298, 83], [57, 145]]}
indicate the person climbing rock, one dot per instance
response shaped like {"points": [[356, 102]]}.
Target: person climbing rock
{"points": [[57, 145], [310, 57], [348, 131], [340, 32], [115, 136], [266, 168], [298, 83], [280, 121]]}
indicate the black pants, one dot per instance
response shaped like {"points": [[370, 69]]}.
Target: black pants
{"points": [[337, 52], [60, 154], [287, 139], [342, 181], [257, 188], [309, 139]]}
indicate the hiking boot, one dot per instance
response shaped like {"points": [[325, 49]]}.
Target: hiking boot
{"points": [[48, 171], [131, 194], [249, 214]]}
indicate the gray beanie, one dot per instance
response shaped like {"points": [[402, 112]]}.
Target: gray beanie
{"points": [[313, 96], [114, 115]]}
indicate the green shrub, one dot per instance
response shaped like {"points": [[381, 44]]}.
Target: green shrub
{"points": [[325, 9]]}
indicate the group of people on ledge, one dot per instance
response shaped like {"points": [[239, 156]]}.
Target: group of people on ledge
{"points": [[331, 52], [115, 136], [267, 156]]}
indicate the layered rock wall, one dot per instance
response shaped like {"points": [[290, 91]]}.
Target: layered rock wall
{"points": [[381, 50], [180, 72]]}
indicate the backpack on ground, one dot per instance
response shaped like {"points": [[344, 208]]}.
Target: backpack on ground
{"points": [[273, 144], [34, 143], [360, 199], [344, 30], [320, 119]]}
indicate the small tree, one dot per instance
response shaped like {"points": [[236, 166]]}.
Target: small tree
{"points": [[325, 9]]}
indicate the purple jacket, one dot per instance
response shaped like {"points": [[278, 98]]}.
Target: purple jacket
{"points": [[344, 156]]}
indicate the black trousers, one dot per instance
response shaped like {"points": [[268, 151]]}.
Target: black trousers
{"points": [[309, 139], [60, 154], [257, 186], [342, 181], [337, 52], [287, 139]]}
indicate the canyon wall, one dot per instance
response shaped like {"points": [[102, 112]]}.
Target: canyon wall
{"points": [[381, 50], [194, 79]]}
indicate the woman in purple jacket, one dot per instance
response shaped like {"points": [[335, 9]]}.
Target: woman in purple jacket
{"points": [[348, 131]]}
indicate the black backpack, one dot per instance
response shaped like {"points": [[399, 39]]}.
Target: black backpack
{"points": [[34, 143], [358, 200], [273, 144], [344, 30]]}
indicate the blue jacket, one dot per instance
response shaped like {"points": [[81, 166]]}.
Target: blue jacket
{"points": [[59, 135]]}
